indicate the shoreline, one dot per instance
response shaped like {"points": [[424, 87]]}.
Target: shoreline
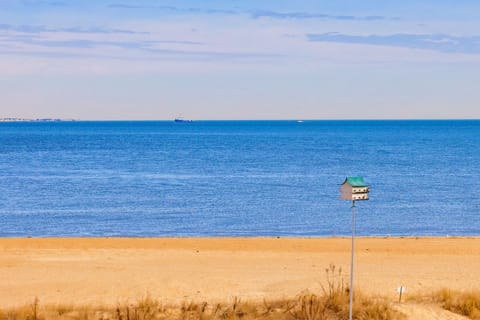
{"points": [[110, 269], [220, 242]]}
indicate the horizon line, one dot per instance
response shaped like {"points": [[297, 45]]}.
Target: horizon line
{"points": [[48, 119]]}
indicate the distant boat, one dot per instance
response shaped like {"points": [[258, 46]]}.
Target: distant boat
{"points": [[182, 120]]}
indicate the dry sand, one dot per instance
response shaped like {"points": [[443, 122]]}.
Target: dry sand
{"points": [[112, 270]]}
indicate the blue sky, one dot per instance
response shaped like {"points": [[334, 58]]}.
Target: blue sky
{"points": [[147, 59]]}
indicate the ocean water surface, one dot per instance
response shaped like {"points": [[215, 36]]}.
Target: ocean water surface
{"points": [[237, 178]]}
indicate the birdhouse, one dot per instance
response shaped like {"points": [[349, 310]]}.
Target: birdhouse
{"points": [[353, 189]]}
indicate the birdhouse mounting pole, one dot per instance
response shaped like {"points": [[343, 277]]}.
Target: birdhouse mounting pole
{"points": [[353, 189], [351, 261]]}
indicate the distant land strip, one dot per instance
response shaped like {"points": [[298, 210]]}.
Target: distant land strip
{"points": [[33, 120]]}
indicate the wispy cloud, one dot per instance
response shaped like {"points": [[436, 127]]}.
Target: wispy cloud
{"points": [[43, 3], [308, 15], [253, 13], [85, 43], [112, 43], [43, 28], [155, 54], [437, 42], [105, 49], [173, 9]]}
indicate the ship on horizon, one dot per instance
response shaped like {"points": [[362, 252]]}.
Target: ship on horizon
{"points": [[180, 120]]}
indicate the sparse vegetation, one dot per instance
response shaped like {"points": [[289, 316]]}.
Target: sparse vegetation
{"points": [[464, 303], [330, 304], [304, 307]]}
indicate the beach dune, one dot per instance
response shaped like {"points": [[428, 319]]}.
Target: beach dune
{"points": [[118, 270]]}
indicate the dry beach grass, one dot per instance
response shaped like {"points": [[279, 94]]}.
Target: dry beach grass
{"points": [[308, 307], [331, 303], [465, 303]]}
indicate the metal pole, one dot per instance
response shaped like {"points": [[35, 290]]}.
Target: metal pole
{"points": [[351, 262]]}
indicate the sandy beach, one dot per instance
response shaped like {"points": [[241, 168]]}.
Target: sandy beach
{"points": [[112, 270]]}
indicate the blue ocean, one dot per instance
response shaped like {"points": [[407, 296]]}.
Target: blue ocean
{"points": [[238, 178]]}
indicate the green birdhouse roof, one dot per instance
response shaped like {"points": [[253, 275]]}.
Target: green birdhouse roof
{"points": [[355, 181]]}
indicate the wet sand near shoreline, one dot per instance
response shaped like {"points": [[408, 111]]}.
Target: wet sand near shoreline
{"points": [[112, 270]]}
